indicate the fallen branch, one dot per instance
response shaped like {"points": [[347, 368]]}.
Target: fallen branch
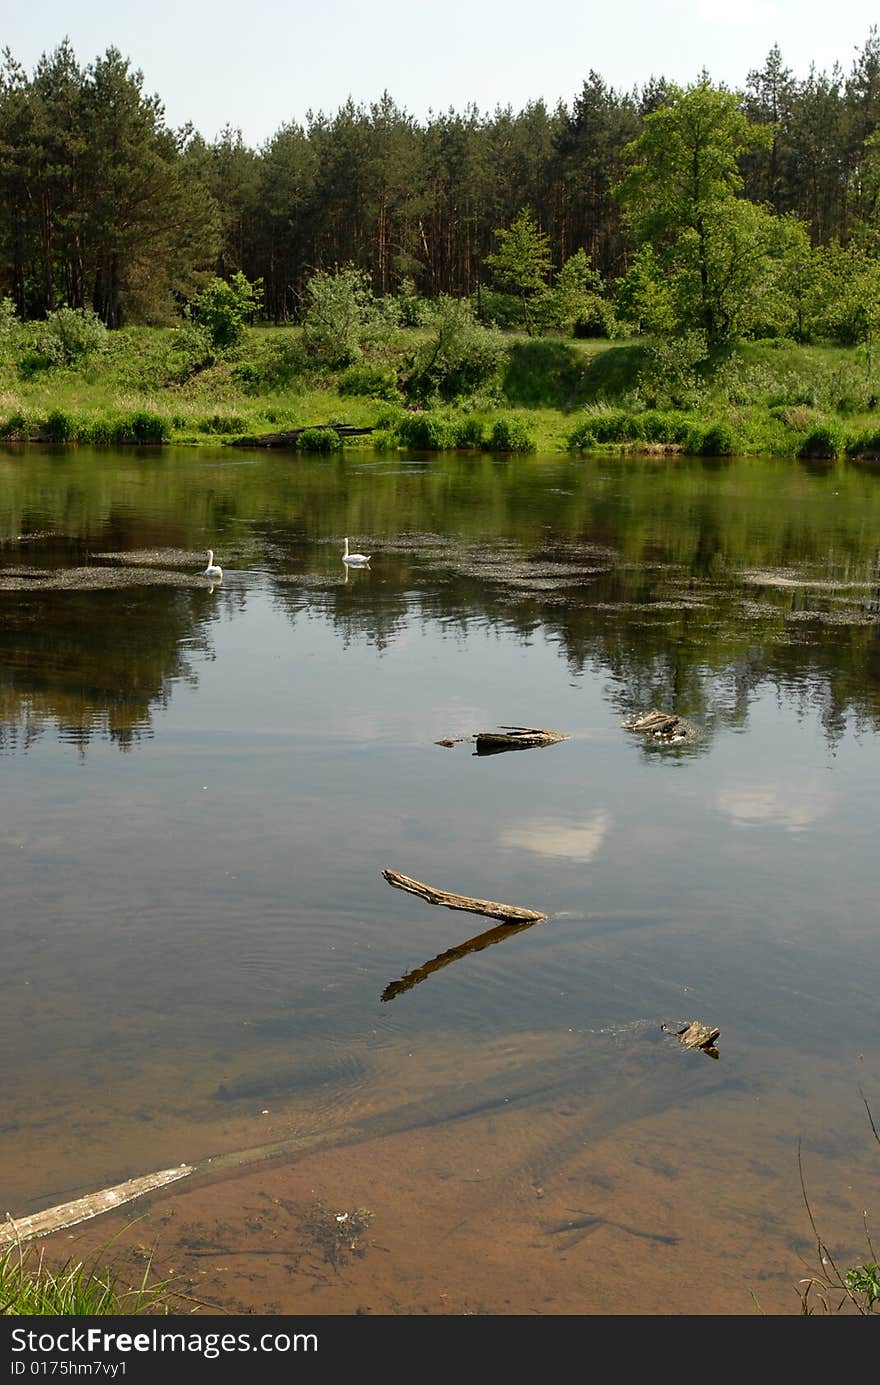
{"points": [[516, 738], [507, 913], [71, 1213], [291, 436], [658, 723], [696, 1035]]}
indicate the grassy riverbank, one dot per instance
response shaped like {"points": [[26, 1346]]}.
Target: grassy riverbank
{"points": [[548, 393]]}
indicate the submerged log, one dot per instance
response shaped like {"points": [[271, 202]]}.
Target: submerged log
{"points": [[658, 723], [697, 1035], [516, 738], [507, 913], [71, 1213], [290, 436]]}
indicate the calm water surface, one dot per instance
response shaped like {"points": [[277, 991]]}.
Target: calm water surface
{"points": [[201, 785]]}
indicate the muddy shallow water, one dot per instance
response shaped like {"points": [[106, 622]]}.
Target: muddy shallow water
{"points": [[397, 1108]]}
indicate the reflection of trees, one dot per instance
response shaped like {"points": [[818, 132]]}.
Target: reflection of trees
{"points": [[94, 663], [632, 564], [671, 636]]}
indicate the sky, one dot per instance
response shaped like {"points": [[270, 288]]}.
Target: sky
{"points": [[258, 65]]}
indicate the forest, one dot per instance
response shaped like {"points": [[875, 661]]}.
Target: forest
{"points": [[742, 214]]}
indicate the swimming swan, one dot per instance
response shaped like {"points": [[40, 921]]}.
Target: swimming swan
{"points": [[355, 559], [213, 569]]}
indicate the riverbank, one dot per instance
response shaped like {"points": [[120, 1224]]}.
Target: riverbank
{"points": [[546, 394]]}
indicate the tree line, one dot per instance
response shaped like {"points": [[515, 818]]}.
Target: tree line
{"points": [[103, 206]]}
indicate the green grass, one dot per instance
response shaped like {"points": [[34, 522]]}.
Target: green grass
{"points": [[29, 1286], [553, 393]]}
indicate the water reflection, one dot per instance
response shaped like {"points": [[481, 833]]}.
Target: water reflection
{"points": [[454, 954]]}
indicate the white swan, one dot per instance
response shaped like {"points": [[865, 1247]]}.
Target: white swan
{"points": [[355, 559], [213, 569]]}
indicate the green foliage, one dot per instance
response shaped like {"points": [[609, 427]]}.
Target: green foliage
{"points": [[60, 426], [672, 376], [522, 263], [864, 1282], [142, 427], [496, 309], [469, 432], [319, 440], [412, 309], [680, 198], [644, 297], [426, 432], [223, 424], [718, 440], [192, 350], [825, 440], [575, 303], [459, 356], [374, 381], [98, 432], [9, 328], [846, 295], [510, 435], [66, 337], [542, 371], [30, 1287], [865, 443], [338, 308], [16, 426], [222, 309]]}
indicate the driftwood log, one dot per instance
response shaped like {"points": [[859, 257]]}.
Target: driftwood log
{"points": [[656, 722], [72, 1213], [516, 738], [507, 913], [290, 436], [697, 1035]]}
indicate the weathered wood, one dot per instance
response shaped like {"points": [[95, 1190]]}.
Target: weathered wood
{"points": [[697, 1035], [507, 913], [658, 723], [71, 1213], [516, 738], [289, 437]]}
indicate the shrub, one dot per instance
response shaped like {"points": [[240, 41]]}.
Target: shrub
{"points": [[596, 319], [412, 309], [825, 440], [615, 425], [65, 337], [60, 426], [865, 444], [319, 440], [222, 309], [718, 441], [222, 424], [142, 427], [692, 441], [510, 435], [459, 357], [16, 426], [581, 438], [469, 433], [338, 308], [384, 440], [377, 382], [671, 377], [9, 326], [98, 431], [427, 431]]}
